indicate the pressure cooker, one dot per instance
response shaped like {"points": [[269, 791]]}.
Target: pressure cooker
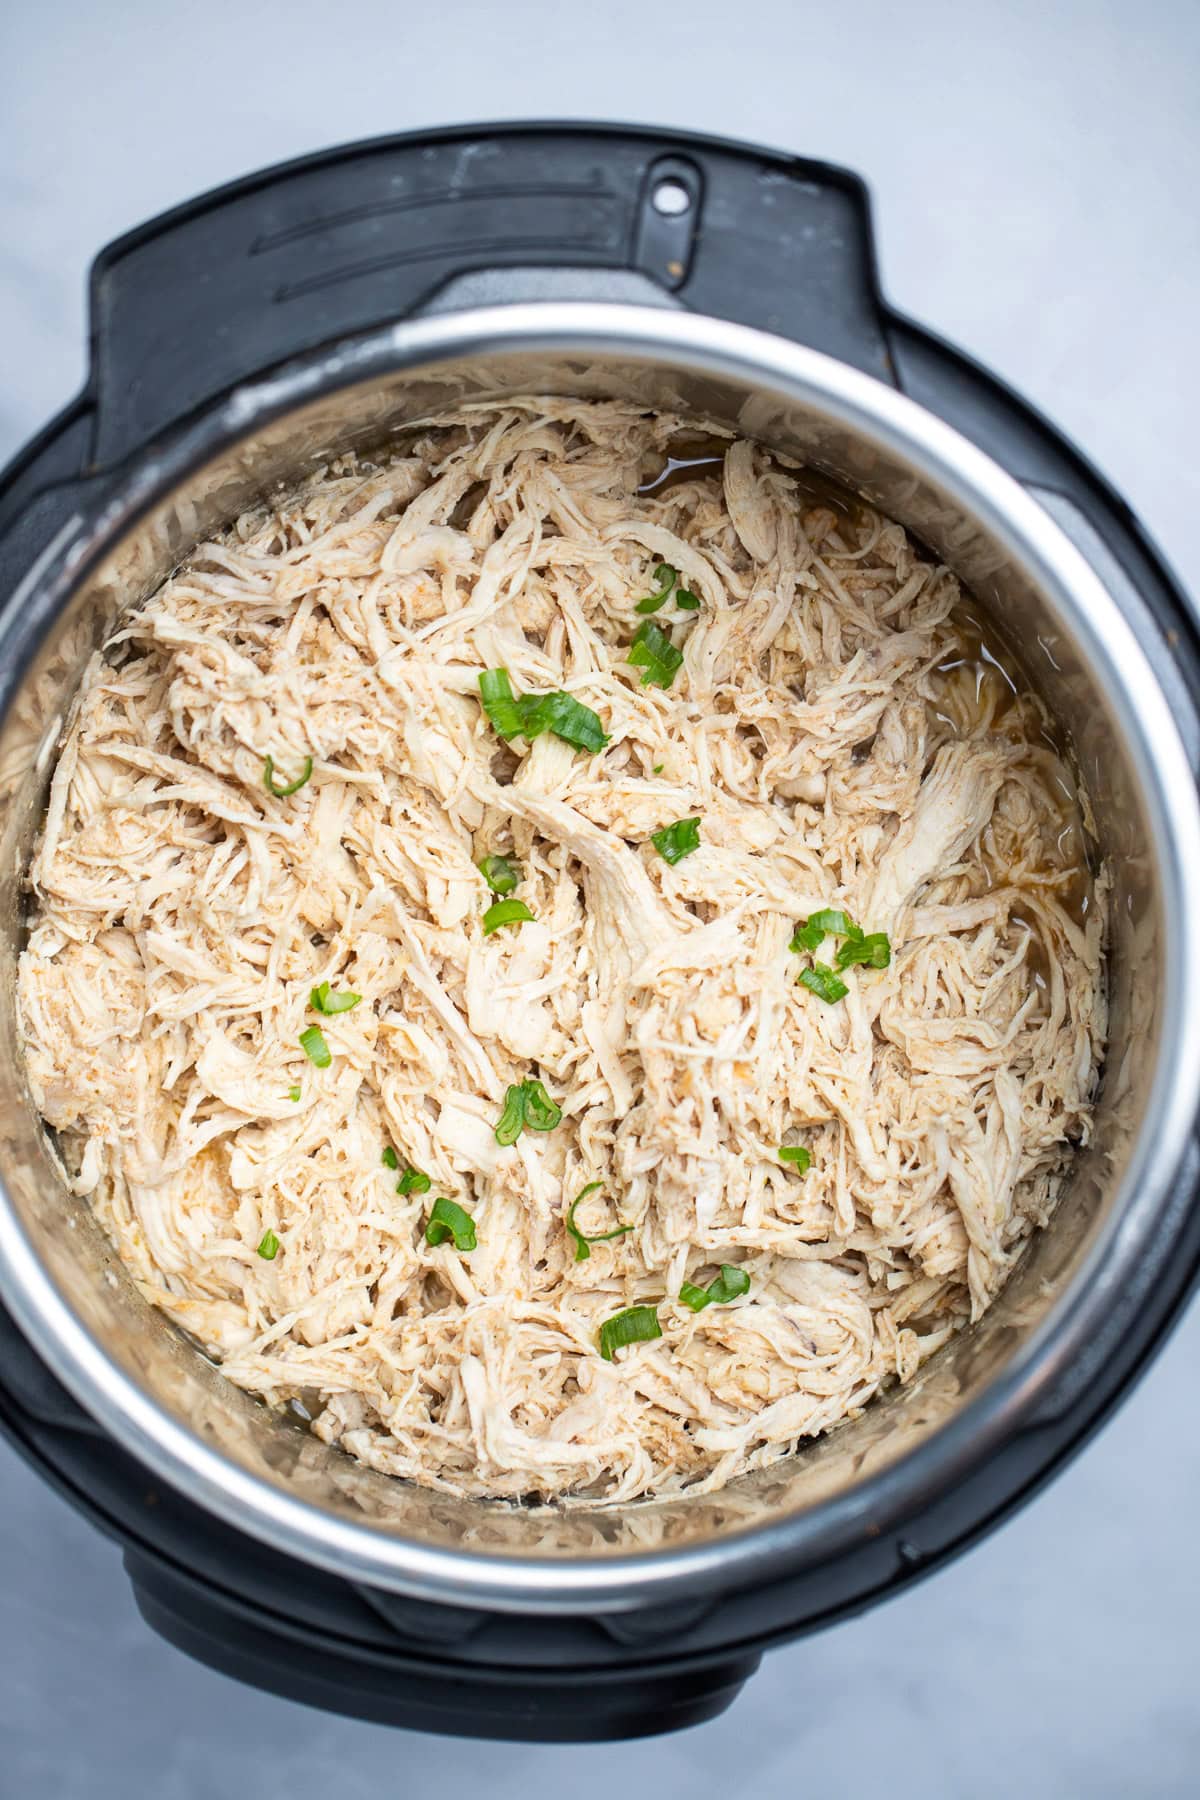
{"points": [[236, 345]]}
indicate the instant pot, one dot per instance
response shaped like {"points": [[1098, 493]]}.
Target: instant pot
{"points": [[236, 345]]}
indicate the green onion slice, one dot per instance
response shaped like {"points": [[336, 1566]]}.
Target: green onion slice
{"points": [[636, 1325], [583, 1238], [412, 1181], [496, 693], [268, 1246], [505, 912], [511, 1122], [653, 652], [500, 875], [281, 790], [796, 1154], [676, 841], [293, 1093], [729, 1285], [541, 1112], [666, 578], [565, 716], [526, 1104], [873, 950], [324, 1000], [686, 601], [313, 1044], [820, 925], [447, 1219], [821, 981], [532, 714]]}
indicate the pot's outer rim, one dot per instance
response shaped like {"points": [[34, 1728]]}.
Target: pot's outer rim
{"points": [[1010, 1401]]}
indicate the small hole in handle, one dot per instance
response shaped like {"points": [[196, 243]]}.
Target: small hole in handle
{"points": [[670, 198]]}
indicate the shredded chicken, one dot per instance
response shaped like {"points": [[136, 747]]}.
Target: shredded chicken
{"points": [[844, 740]]}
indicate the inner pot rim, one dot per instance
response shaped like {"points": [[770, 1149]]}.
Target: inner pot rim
{"points": [[1080, 603]]}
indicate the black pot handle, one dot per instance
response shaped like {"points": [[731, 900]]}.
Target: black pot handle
{"points": [[244, 278], [423, 1692]]}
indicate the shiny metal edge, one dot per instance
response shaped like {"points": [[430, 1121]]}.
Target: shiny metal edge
{"points": [[1072, 590]]}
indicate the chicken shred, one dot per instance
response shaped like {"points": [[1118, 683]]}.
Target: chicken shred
{"points": [[843, 744]]}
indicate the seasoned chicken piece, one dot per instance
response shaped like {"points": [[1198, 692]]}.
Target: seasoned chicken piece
{"points": [[954, 803]]}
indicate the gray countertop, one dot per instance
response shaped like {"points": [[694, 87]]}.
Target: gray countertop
{"points": [[1035, 172]]}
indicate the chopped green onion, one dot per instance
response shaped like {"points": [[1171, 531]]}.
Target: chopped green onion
{"points": [[874, 950], [820, 925], [676, 841], [501, 708], [541, 1112], [658, 768], [500, 875], [447, 1219], [511, 1122], [293, 1093], [821, 981], [653, 652], [636, 1325], [313, 1044], [797, 1154], [412, 1181], [582, 1238], [281, 790], [505, 912], [526, 1104], [532, 714], [325, 1001], [666, 577], [268, 1246], [728, 1285], [565, 716]]}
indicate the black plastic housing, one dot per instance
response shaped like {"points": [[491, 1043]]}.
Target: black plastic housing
{"points": [[244, 279]]}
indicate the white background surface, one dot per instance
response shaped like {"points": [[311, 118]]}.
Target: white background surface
{"points": [[1035, 169]]}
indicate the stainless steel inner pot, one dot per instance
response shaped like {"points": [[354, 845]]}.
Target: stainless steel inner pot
{"points": [[1078, 633]]}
